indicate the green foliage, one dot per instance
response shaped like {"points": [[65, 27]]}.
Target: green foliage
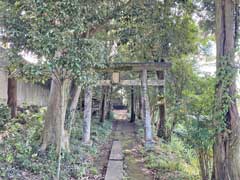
{"points": [[225, 78], [20, 156], [205, 10], [153, 30], [200, 103], [173, 160], [4, 115], [162, 164], [178, 79], [20, 146], [58, 32]]}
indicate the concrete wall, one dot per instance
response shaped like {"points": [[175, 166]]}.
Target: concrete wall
{"points": [[3, 87], [3, 77]]}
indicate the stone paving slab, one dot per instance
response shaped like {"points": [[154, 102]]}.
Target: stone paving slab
{"points": [[114, 170], [116, 152]]}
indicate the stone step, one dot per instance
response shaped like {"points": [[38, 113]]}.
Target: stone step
{"points": [[116, 151], [115, 163], [114, 170]]}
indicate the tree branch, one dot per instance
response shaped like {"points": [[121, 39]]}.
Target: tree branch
{"points": [[101, 26]]}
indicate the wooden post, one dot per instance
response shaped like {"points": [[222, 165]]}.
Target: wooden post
{"points": [[103, 104], [87, 115], [132, 106], [146, 111], [136, 106], [109, 103], [161, 132], [140, 113]]}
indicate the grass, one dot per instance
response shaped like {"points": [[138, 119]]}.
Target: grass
{"points": [[172, 160]]}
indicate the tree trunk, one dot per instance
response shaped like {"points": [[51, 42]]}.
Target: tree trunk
{"points": [[204, 163], [75, 94], [109, 103], [62, 135], [132, 106], [227, 142], [146, 110], [170, 131], [74, 102], [53, 132], [103, 104], [12, 96], [162, 119], [140, 112], [87, 115], [136, 101]]}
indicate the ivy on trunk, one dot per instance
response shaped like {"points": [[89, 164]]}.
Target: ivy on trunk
{"points": [[227, 141]]}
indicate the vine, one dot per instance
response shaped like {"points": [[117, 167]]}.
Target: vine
{"points": [[225, 77]]}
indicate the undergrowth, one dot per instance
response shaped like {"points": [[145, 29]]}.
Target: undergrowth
{"points": [[173, 161], [4, 115], [20, 157], [170, 160]]}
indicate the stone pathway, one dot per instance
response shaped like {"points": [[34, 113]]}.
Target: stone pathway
{"points": [[133, 162], [115, 163]]}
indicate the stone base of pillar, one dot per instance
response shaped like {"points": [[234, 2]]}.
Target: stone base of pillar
{"points": [[149, 145], [89, 143]]}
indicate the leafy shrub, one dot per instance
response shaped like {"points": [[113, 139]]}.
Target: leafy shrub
{"points": [[4, 115], [173, 160], [161, 163], [19, 152]]}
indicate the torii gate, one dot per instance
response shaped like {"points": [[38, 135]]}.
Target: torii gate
{"points": [[143, 68]]}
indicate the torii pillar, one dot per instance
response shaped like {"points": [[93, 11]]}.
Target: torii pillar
{"points": [[146, 111]]}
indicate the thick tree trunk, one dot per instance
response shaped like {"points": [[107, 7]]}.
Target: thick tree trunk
{"points": [[12, 96], [132, 106], [146, 111], [227, 144], [87, 115], [62, 135], [53, 132], [162, 119]]}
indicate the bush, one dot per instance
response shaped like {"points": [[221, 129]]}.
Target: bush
{"points": [[173, 160], [19, 152], [4, 115]]}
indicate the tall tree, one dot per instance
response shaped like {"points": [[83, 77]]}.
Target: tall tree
{"points": [[227, 142], [61, 37]]}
